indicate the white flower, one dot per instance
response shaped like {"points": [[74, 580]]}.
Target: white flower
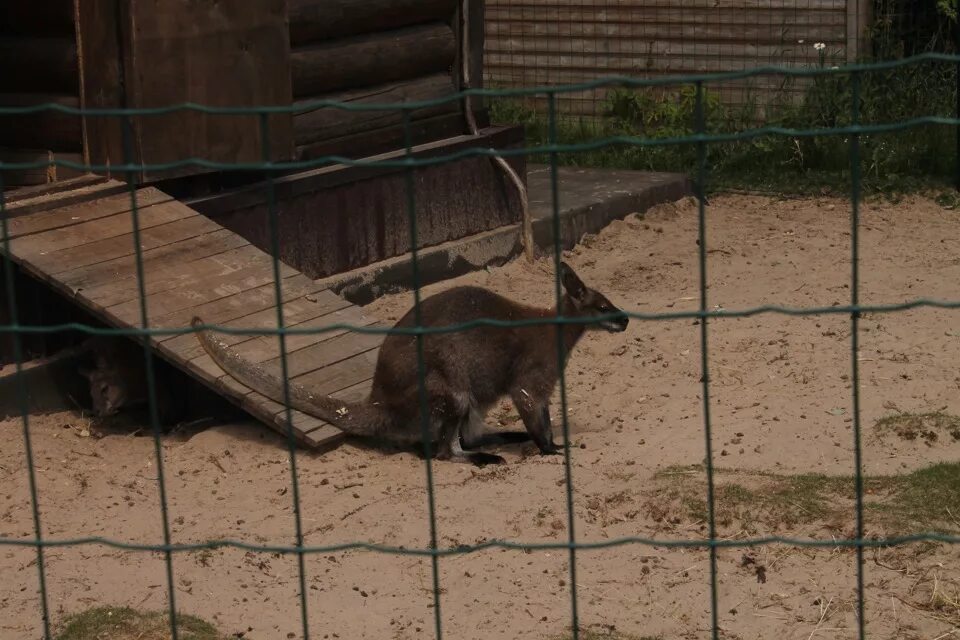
{"points": [[799, 41], [834, 67], [819, 46]]}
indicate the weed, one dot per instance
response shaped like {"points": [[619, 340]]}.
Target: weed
{"points": [[927, 426], [927, 499], [891, 163], [604, 632], [124, 623]]}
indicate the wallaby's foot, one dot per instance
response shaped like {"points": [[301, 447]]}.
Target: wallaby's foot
{"points": [[553, 449], [477, 458], [483, 459]]}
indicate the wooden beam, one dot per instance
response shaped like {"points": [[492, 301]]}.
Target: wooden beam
{"points": [[317, 20], [306, 182], [324, 124], [39, 175], [376, 58], [383, 139]]}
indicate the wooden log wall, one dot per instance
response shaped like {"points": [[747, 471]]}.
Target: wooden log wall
{"points": [[369, 51], [549, 42], [38, 64]]}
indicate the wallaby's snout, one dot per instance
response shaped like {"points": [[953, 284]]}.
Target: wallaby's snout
{"points": [[590, 302], [616, 325]]}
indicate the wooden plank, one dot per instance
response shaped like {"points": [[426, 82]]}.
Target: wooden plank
{"points": [[323, 308], [59, 132], [196, 291], [45, 174], [36, 245], [70, 213], [384, 139], [213, 53], [318, 433], [656, 15], [325, 432], [599, 54], [186, 276], [389, 56], [631, 36], [223, 310], [343, 374], [302, 361], [51, 193], [121, 246], [316, 20], [183, 251], [267, 348], [322, 124], [686, 5], [39, 64], [307, 182]]}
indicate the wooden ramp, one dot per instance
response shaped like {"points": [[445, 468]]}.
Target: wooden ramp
{"points": [[80, 242]]}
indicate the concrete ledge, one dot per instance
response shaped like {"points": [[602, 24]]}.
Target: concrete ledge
{"points": [[589, 199]]}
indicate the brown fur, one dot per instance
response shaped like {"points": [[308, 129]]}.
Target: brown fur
{"points": [[118, 379], [465, 372]]}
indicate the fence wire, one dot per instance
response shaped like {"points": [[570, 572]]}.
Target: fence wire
{"points": [[700, 138]]}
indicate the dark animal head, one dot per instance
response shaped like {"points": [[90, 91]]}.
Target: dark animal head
{"points": [[587, 302], [107, 393]]}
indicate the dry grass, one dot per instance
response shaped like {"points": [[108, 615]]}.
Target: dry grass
{"points": [[124, 623], [926, 500], [913, 426]]}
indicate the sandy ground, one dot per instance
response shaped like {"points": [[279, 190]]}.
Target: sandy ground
{"points": [[780, 402]]}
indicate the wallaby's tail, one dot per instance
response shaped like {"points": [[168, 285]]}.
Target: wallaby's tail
{"points": [[356, 418]]}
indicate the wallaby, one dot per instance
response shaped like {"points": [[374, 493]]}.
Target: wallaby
{"points": [[465, 372], [118, 380]]}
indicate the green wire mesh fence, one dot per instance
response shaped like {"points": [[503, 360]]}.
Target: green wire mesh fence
{"points": [[700, 138]]}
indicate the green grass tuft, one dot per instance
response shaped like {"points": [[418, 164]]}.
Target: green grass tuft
{"points": [[926, 500], [124, 623], [908, 161]]}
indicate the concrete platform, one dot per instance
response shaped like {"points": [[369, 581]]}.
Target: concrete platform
{"points": [[589, 199]]}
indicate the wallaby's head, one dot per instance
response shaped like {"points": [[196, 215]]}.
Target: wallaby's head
{"points": [[588, 302], [106, 392]]}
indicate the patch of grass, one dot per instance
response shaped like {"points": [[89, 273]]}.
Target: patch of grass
{"points": [[124, 623], [920, 159], [925, 500], [927, 426]]}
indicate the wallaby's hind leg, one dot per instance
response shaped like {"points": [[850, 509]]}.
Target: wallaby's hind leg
{"points": [[450, 449], [473, 434], [536, 418]]}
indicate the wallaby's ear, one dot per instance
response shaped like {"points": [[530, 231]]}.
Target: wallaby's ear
{"points": [[571, 282]]}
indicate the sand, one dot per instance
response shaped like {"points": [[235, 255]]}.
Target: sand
{"points": [[780, 401]]}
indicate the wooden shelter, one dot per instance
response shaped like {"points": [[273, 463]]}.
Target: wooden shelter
{"points": [[205, 233]]}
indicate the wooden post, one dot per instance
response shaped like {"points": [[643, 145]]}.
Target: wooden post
{"points": [[859, 20], [140, 53]]}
